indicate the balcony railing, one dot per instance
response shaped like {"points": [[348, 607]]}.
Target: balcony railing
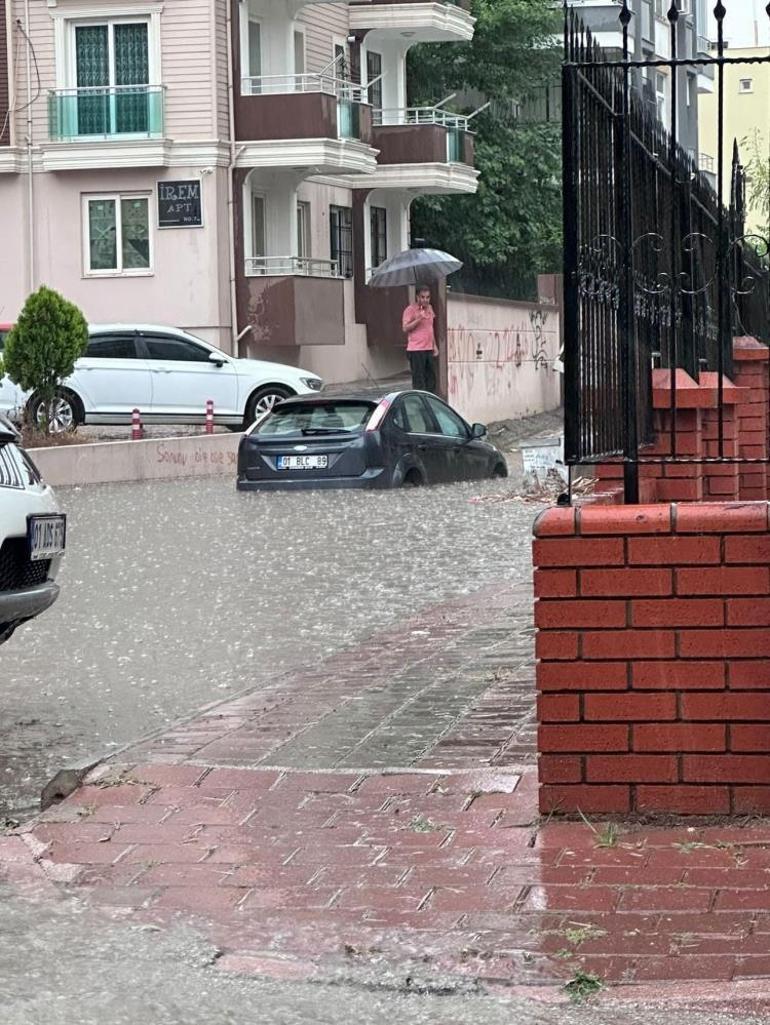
{"points": [[707, 163], [276, 85], [106, 111], [420, 116], [285, 266], [704, 46]]}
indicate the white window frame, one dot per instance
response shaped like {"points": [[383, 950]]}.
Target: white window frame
{"points": [[742, 82], [299, 30], [304, 219], [116, 197], [248, 222], [65, 20], [245, 17]]}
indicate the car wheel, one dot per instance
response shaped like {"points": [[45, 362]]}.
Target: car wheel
{"points": [[67, 411], [263, 400], [413, 479], [6, 629], [500, 471]]}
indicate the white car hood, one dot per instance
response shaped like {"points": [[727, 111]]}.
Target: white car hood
{"points": [[270, 370]]}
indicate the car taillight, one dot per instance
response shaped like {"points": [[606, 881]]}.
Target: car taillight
{"points": [[378, 415]]}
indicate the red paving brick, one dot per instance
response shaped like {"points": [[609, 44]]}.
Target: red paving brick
{"points": [[294, 873], [409, 863]]}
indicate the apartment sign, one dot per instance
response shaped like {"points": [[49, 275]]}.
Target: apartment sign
{"points": [[179, 204]]}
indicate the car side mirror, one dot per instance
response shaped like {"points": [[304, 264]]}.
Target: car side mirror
{"points": [[216, 359], [478, 431]]}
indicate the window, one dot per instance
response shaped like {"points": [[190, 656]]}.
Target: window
{"points": [[303, 230], [117, 234], [317, 418], [111, 347], [648, 29], [379, 222], [179, 349], [257, 225], [299, 52], [415, 416], [660, 95], [449, 423], [112, 73], [374, 70], [746, 85], [341, 230]]}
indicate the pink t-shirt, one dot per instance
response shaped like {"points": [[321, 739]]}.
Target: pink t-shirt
{"points": [[420, 338]]}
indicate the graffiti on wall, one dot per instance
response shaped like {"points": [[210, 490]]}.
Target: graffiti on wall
{"points": [[502, 346], [508, 368], [538, 320]]}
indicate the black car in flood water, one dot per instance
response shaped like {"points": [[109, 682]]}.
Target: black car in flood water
{"points": [[402, 439]]}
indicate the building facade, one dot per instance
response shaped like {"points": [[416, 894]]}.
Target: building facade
{"points": [[650, 34], [233, 167], [747, 116]]}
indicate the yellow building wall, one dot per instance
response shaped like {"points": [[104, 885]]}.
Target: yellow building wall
{"points": [[746, 114]]}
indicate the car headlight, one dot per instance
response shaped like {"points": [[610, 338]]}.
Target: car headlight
{"points": [[315, 383]]}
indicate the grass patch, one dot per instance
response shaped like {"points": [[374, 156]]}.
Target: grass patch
{"points": [[606, 837], [582, 986]]}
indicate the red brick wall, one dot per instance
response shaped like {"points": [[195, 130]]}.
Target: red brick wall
{"points": [[691, 433], [653, 640]]}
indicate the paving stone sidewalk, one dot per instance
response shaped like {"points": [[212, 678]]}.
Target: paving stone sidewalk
{"points": [[377, 816]]}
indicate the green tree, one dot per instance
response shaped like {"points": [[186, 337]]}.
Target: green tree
{"points": [[511, 229], [40, 352], [758, 179]]}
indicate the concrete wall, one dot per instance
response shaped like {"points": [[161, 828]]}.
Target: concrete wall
{"points": [[500, 358], [152, 459]]}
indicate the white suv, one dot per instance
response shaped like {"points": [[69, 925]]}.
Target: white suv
{"points": [[32, 537], [168, 375]]}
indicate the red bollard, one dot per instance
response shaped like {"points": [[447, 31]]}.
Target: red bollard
{"points": [[137, 431], [209, 416]]}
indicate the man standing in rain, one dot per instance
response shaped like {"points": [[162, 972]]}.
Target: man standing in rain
{"points": [[417, 323]]}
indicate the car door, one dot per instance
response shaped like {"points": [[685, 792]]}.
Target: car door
{"points": [[415, 431], [463, 458], [111, 378], [184, 379]]}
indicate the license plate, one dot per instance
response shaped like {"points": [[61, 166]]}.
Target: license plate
{"points": [[46, 536], [302, 462]]}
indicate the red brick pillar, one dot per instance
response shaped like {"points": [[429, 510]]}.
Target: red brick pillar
{"points": [[752, 373], [653, 640], [720, 439]]}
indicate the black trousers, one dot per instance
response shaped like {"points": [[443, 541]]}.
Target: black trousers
{"points": [[423, 365]]}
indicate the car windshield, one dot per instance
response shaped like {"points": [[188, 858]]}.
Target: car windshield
{"points": [[316, 418]]}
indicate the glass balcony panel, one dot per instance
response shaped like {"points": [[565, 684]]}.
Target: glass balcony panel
{"points": [[106, 111]]}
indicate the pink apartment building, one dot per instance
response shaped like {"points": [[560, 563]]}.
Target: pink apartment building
{"points": [[233, 167]]}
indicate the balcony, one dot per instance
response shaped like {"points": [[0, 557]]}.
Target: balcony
{"points": [[105, 127], [422, 135], [290, 301], [412, 21], [304, 121], [422, 149]]}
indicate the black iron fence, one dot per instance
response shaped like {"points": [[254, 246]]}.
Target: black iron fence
{"points": [[659, 269]]}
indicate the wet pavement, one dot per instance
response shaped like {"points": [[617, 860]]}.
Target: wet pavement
{"points": [[64, 965], [178, 594], [249, 827]]}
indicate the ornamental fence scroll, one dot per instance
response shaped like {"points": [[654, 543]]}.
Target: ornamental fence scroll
{"points": [[659, 269]]}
